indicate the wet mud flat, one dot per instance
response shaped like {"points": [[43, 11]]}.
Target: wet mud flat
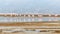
{"points": [[30, 33]]}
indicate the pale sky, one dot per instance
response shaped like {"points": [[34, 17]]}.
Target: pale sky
{"points": [[30, 6]]}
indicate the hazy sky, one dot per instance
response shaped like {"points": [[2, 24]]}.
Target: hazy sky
{"points": [[30, 6]]}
